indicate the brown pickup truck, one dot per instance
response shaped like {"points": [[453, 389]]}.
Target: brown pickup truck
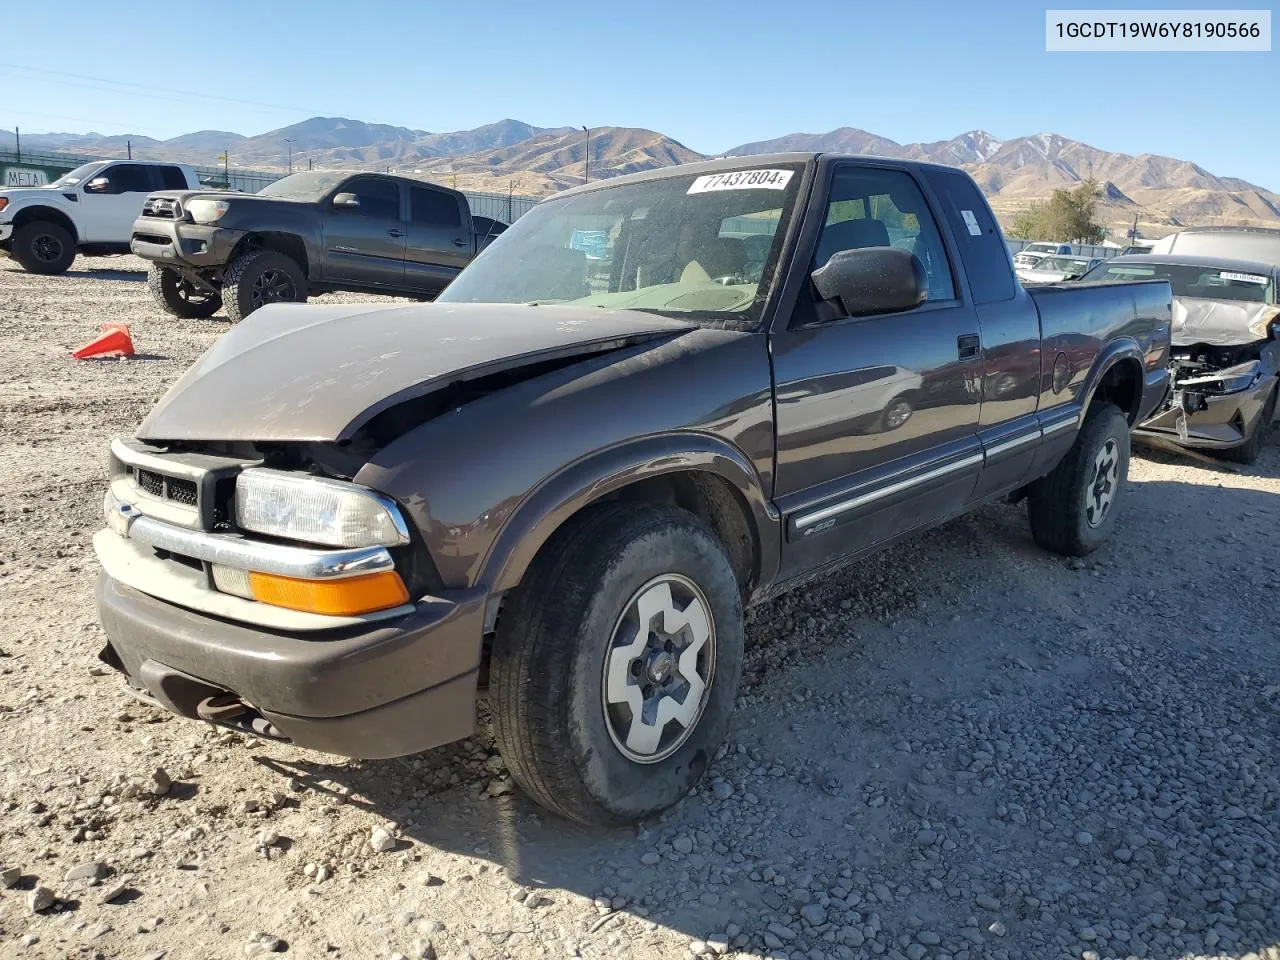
{"points": [[650, 403]]}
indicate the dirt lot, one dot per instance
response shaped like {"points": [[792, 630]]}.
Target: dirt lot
{"points": [[963, 748]]}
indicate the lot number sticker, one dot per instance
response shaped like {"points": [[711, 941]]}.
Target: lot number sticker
{"points": [[742, 180], [1242, 277], [971, 222]]}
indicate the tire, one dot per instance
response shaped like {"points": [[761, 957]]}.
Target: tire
{"points": [[42, 246], [895, 414], [178, 296], [1074, 508], [1249, 451], [563, 727], [259, 277]]}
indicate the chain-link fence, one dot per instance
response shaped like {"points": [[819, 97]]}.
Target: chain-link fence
{"points": [[34, 169]]}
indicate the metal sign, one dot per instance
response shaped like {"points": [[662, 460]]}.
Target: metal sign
{"points": [[24, 177]]}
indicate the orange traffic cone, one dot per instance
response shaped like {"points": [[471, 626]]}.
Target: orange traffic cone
{"points": [[113, 341]]}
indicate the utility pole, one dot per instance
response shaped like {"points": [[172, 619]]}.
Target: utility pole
{"points": [[586, 160], [17, 141], [309, 166], [129, 146], [290, 143]]}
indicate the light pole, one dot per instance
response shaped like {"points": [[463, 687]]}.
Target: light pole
{"points": [[290, 143], [586, 160]]}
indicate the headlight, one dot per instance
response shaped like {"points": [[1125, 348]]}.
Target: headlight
{"points": [[333, 513], [207, 211]]}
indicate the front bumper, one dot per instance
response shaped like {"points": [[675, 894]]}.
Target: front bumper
{"points": [[380, 689], [180, 243], [1210, 421]]}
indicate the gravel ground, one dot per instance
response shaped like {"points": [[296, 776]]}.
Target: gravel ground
{"points": [[963, 749]]}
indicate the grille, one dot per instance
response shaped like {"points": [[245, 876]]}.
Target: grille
{"points": [[162, 208], [167, 488]]}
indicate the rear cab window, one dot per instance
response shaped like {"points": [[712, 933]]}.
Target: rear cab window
{"points": [[171, 178]]}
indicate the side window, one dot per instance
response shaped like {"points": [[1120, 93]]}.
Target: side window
{"points": [[986, 257], [171, 178], [128, 178], [434, 208], [885, 208], [378, 198]]}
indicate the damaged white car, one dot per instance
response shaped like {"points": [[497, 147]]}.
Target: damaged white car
{"points": [[1225, 361]]}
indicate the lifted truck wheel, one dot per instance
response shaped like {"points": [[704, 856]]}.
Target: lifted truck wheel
{"points": [[259, 277], [616, 663], [179, 296], [1074, 508], [43, 247], [1250, 450]]}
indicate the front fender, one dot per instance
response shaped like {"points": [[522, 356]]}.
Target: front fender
{"points": [[49, 206], [567, 491]]}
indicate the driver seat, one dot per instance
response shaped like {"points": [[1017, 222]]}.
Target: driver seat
{"points": [[720, 257]]}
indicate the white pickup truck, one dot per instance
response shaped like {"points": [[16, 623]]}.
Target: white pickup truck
{"points": [[90, 210]]}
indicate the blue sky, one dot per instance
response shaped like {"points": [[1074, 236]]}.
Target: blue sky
{"points": [[712, 74]]}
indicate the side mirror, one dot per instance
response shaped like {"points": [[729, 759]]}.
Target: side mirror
{"points": [[346, 201], [97, 185], [872, 280]]}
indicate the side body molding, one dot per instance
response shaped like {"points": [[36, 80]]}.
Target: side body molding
{"points": [[568, 490]]}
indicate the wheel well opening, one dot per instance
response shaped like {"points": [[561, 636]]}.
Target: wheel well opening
{"points": [[713, 500], [1121, 385], [286, 243], [32, 214]]}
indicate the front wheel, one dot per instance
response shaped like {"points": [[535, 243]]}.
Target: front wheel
{"points": [[1074, 508], [260, 277], [43, 247], [616, 662], [179, 296]]}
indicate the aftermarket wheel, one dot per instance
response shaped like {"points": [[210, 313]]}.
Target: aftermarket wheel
{"points": [[616, 663], [260, 277], [1074, 508], [179, 296], [43, 247]]}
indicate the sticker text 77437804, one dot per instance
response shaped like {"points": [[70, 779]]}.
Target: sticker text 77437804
{"points": [[742, 180]]}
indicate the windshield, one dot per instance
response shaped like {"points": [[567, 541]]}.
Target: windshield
{"points": [[1063, 265], [691, 247], [310, 186], [80, 173], [1195, 282]]}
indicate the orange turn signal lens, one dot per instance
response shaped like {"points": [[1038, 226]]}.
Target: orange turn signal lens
{"points": [[338, 598]]}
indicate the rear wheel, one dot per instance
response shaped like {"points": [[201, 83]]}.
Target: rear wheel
{"points": [[616, 663], [43, 247], [1250, 450], [260, 277], [1074, 508], [179, 296]]}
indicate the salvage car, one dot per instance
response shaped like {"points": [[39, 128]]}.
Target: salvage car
{"points": [[1033, 253], [1225, 358], [1057, 269], [305, 234], [1261, 244], [559, 485]]}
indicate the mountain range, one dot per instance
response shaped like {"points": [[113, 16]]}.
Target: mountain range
{"points": [[1164, 193]]}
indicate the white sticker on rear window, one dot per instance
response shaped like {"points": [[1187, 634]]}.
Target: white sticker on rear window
{"points": [[1242, 277], [971, 222], [742, 180]]}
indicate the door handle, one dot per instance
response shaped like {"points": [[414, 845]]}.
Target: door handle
{"points": [[969, 345], [459, 243], [395, 233]]}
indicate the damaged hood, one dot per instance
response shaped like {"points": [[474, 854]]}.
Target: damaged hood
{"points": [[310, 372], [1220, 323]]}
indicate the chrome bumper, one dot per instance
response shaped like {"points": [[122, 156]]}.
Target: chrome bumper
{"points": [[225, 550]]}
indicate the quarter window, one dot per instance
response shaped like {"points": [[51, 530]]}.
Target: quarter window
{"points": [[885, 208], [171, 178]]}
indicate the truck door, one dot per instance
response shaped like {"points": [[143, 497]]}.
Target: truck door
{"points": [[364, 244], [877, 416], [111, 200], [440, 240], [1009, 428]]}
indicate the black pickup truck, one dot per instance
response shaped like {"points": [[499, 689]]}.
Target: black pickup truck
{"points": [[560, 484], [307, 233]]}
